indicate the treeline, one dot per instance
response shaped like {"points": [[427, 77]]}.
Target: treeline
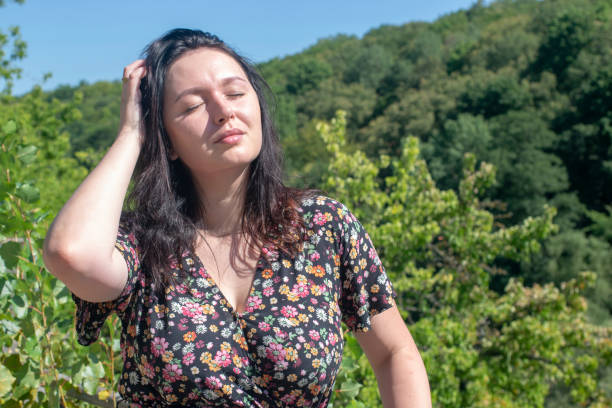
{"points": [[525, 85]]}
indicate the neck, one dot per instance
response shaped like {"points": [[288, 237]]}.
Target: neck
{"points": [[222, 195]]}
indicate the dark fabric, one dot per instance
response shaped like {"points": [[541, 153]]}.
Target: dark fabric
{"points": [[192, 349]]}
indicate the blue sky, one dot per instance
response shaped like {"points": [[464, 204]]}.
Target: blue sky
{"points": [[94, 40]]}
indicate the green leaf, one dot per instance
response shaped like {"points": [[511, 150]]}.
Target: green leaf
{"points": [[350, 388], [27, 192], [9, 127], [27, 154], [6, 380], [9, 252]]}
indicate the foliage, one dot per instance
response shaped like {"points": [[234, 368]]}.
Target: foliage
{"points": [[481, 348], [40, 362]]}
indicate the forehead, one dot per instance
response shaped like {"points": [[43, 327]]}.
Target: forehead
{"points": [[203, 66]]}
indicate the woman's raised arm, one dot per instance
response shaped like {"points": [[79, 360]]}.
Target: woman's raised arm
{"points": [[79, 247]]}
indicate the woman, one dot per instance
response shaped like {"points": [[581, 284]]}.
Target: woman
{"points": [[231, 287]]}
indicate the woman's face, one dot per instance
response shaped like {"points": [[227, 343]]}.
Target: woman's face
{"points": [[211, 112]]}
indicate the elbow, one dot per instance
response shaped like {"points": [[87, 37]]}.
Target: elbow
{"points": [[64, 256]]}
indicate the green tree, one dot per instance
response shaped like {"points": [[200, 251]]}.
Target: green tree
{"points": [[481, 348]]}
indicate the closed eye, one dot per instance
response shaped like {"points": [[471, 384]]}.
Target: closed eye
{"points": [[194, 107]]}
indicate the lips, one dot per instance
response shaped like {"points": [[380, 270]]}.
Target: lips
{"points": [[230, 136]]}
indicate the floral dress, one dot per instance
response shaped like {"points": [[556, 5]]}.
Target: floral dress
{"points": [[191, 349]]}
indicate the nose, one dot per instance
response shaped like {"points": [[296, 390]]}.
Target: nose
{"points": [[223, 110]]}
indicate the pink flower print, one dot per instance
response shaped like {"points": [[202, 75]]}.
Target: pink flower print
{"points": [[146, 369], [300, 290], [199, 344], [188, 358], [314, 256], [264, 326], [289, 311], [372, 253], [288, 399], [191, 309], [253, 303], [333, 339], [159, 346], [269, 291], [172, 372], [213, 383], [222, 358], [314, 335], [275, 352], [319, 219]]}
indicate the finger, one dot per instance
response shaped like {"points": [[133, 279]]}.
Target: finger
{"points": [[135, 67]]}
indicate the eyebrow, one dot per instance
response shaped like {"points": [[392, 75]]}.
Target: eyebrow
{"points": [[197, 89]]}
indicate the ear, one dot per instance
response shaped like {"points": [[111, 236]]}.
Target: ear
{"points": [[172, 154]]}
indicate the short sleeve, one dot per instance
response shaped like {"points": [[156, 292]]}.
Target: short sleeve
{"points": [[90, 316], [366, 289]]}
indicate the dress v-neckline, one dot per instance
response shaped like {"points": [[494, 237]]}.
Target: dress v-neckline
{"points": [[211, 281]]}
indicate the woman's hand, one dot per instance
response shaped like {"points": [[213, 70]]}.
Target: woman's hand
{"points": [[130, 119]]}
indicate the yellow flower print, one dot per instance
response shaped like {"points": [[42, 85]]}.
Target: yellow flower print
{"points": [[314, 388], [205, 357], [237, 361], [189, 336], [363, 263], [292, 378], [318, 271], [227, 390], [208, 309], [195, 370], [315, 290], [286, 263], [310, 309], [337, 260], [293, 297], [171, 397], [214, 328], [353, 253], [291, 354], [375, 288], [225, 346], [167, 356], [301, 279], [284, 289], [302, 317]]}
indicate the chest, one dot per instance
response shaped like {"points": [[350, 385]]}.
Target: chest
{"points": [[285, 344]]}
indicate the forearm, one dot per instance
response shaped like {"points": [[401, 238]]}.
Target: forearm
{"points": [[89, 220], [402, 381]]}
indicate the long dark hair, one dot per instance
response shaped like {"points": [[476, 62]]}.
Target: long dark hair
{"points": [[165, 211]]}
